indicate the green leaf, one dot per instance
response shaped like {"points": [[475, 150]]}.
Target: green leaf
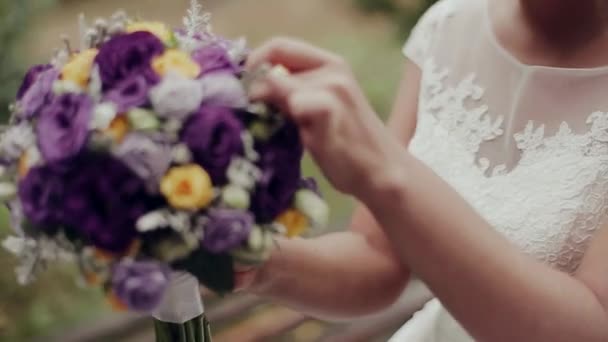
{"points": [[214, 271]]}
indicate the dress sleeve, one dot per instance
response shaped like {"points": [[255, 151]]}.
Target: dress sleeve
{"points": [[423, 37]]}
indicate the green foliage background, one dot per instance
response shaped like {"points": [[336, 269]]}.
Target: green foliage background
{"points": [[56, 300], [403, 14]]}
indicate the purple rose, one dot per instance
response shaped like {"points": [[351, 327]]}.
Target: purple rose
{"points": [[126, 56], [30, 78], [147, 158], [280, 159], [226, 229], [62, 129], [214, 58], [132, 92], [140, 284], [39, 93], [42, 193], [213, 135], [104, 199]]}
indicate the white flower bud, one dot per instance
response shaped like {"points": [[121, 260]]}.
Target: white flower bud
{"points": [[172, 125], [260, 130], [103, 114], [8, 191], [143, 120], [236, 197], [180, 154], [243, 173], [258, 250], [152, 221], [312, 206], [101, 24]]}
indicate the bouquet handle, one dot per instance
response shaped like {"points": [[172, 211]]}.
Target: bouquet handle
{"points": [[195, 330], [180, 316]]}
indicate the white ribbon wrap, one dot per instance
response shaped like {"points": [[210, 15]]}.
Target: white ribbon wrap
{"points": [[182, 300]]}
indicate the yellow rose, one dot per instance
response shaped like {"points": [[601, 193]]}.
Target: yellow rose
{"points": [[160, 30], [187, 187], [119, 127], [78, 69], [176, 61], [23, 166], [294, 221]]}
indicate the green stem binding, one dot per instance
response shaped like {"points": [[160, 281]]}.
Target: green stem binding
{"points": [[195, 330]]}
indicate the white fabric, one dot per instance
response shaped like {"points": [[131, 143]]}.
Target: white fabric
{"points": [[182, 301], [526, 146]]}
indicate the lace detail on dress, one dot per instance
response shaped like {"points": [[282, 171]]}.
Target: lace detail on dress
{"points": [[550, 203], [459, 108], [533, 143]]}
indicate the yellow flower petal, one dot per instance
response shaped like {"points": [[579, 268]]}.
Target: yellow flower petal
{"points": [[92, 279], [119, 127], [102, 255], [187, 187], [78, 69], [23, 166], [116, 303], [160, 30], [176, 61], [294, 221]]}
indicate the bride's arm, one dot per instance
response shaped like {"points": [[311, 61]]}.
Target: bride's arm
{"points": [[348, 274], [493, 289]]}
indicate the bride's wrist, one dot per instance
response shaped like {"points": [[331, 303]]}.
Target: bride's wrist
{"points": [[387, 183]]}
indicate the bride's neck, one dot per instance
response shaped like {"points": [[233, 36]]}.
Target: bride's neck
{"points": [[565, 21]]}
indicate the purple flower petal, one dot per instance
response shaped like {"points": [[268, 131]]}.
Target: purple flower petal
{"points": [[150, 160], [226, 229], [280, 159], [213, 135], [131, 92], [31, 77], [140, 284], [39, 93], [62, 129], [214, 58], [128, 55]]}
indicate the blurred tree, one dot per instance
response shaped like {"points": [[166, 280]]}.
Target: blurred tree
{"points": [[12, 23], [56, 299], [14, 15], [404, 13]]}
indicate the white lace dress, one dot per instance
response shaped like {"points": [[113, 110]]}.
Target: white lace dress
{"points": [[526, 146]]}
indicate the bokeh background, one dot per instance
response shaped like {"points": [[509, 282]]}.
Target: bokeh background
{"points": [[368, 33]]}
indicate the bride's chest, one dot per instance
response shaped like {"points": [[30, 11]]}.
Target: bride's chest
{"points": [[549, 203]]}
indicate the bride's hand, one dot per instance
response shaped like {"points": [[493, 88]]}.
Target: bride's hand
{"points": [[337, 123]]}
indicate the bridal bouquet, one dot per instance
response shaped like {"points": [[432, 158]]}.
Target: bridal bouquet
{"points": [[138, 156]]}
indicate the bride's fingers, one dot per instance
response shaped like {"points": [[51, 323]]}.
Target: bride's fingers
{"points": [[264, 87], [275, 88], [312, 109], [293, 54]]}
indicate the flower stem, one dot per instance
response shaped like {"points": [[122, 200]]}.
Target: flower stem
{"points": [[195, 330]]}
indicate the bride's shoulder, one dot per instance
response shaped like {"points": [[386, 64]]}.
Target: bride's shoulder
{"points": [[440, 11], [444, 22]]}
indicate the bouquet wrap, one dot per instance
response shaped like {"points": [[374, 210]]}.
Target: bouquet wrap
{"points": [[181, 302]]}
